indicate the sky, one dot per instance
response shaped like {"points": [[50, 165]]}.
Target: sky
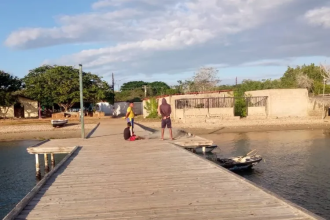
{"points": [[165, 40]]}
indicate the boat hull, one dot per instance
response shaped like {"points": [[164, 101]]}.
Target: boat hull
{"points": [[234, 165], [59, 123], [205, 149]]}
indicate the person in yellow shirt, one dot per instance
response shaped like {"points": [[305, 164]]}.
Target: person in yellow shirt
{"points": [[130, 116]]}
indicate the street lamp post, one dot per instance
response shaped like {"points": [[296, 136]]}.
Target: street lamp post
{"points": [[81, 102]]}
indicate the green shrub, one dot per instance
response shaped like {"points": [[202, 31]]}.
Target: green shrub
{"points": [[240, 107], [152, 108]]}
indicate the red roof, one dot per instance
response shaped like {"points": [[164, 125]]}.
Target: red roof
{"points": [[191, 93]]}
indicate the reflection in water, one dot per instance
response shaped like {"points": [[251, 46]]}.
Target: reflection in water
{"points": [[17, 173], [296, 163]]}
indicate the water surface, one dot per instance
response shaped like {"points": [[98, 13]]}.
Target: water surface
{"points": [[296, 165], [17, 173]]}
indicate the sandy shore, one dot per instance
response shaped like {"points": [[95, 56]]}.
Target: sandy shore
{"points": [[41, 131], [29, 130], [247, 125]]}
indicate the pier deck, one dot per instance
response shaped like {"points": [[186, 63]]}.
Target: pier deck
{"points": [[109, 178]]}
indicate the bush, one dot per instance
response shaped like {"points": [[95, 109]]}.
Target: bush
{"points": [[240, 107], [152, 108]]}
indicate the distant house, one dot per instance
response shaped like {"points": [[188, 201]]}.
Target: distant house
{"points": [[24, 108], [119, 108], [198, 106]]}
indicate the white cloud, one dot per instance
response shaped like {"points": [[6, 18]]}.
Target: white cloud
{"points": [[169, 36], [319, 17]]}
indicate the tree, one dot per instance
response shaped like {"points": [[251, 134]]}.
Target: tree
{"points": [[303, 81], [206, 78], [37, 86], [157, 88], [186, 86], [132, 85], [135, 95], [8, 85], [325, 69], [60, 84], [313, 72]]}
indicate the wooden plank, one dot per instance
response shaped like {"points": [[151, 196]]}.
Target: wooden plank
{"points": [[115, 179], [49, 150]]}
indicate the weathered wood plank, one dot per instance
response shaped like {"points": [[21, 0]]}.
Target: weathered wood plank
{"points": [[49, 150]]}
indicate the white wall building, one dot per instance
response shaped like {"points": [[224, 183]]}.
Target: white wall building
{"points": [[119, 108]]}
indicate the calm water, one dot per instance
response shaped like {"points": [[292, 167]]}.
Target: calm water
{"points": [[17, 173], [296, 166]]}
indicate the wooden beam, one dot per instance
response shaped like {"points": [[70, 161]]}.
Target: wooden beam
{"points": [[52, 159], [46, 163], [38, 174], [49, 150]]}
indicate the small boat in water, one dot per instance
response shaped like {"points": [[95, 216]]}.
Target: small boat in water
{"points": [[59, 123], [204, 149], [240, 163]]}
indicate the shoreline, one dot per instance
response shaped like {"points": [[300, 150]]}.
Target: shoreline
{"points": [[42, 131], [41, 135], [244, 126]]}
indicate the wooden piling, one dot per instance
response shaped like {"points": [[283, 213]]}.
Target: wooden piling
{"points": [[46, 163], [52, 159], [38, 174]]}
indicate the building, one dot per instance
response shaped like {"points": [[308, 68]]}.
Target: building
{"points": [[119, 108], [273, 103], [198, 107], [24, 108]]}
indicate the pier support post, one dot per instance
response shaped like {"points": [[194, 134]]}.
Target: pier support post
{"points": [[46, 163], [38, 174], [52, 159]]}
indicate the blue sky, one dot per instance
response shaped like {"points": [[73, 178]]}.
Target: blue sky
{"points": [[165, 40]]}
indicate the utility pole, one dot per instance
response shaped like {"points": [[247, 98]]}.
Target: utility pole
{"points": [[113, 87], [145, 91], [323, 112], [236, 80], [81, 102]]}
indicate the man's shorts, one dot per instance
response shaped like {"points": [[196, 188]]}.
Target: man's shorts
{"points": [[132, 138], [131, 120], [166, 123]]}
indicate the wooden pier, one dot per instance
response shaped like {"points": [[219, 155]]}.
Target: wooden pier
{"points": [[105, 177]]}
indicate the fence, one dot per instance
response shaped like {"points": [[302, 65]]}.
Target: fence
{"points": [[260, 102], [218, 102], [256, 101]]}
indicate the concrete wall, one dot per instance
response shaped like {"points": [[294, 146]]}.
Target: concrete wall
{"points": [[138, 108], [205, 112], [257, 111], [180, 113], [315, 108], [284, 102], [120, 108], [30, 109], [105, 107], [10, 112]]}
